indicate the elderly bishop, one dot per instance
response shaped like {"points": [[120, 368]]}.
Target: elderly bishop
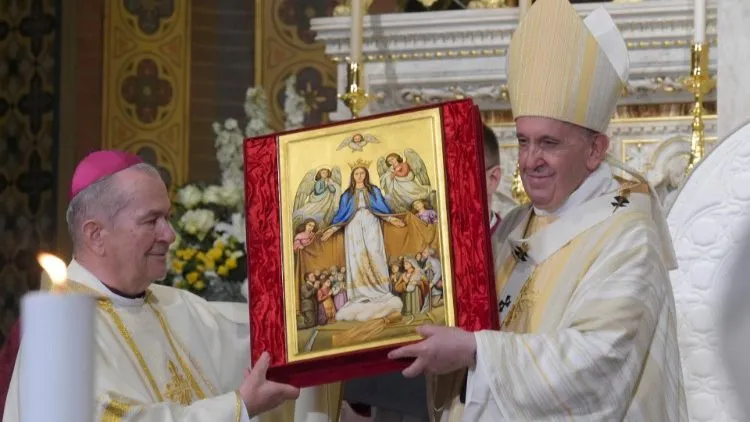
{"points": [[161, 354], [587, 314]]}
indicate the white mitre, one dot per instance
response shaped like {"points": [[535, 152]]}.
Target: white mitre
{"points": [[565, 68]]}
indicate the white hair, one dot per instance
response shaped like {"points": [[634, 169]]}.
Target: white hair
{"points": [[103, 198]]}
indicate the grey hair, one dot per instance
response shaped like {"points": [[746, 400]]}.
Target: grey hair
{"points": [[588, 134], [101, 198]]}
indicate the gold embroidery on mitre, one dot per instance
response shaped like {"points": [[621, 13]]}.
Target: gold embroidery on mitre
{"points": [[178, 388], [558, 69]]}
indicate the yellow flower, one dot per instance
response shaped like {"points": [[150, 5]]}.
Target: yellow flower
{"points": [[185, 254], [178, 265], [231, 263], [209, 264], [214, 253], [222, 271], [219, 244], [192, 277], [200, 285]]}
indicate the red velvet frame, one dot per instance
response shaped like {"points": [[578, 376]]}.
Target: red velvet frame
{"points": [[474, 287]]}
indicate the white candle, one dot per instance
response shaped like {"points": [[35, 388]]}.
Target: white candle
{"points": [[57, 353], [358, 20], [523, 7], [700, 21]]}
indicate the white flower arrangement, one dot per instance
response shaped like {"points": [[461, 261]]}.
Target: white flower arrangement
{"points": [[210, 247], [294, 105]]}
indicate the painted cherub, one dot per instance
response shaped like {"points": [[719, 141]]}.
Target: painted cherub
{"points": [[317, 196], [404, 179], [357, 142]]}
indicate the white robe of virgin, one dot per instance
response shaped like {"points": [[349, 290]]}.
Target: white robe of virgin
{"points": [[588, 321], [170, 356], [367, 282]]}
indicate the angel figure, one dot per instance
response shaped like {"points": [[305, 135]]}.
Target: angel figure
{"points": [[357, 142], [404, 181], [317, 197]]}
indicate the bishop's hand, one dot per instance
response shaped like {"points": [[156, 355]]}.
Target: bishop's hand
{"points": [[261, 395], [444, 350]]}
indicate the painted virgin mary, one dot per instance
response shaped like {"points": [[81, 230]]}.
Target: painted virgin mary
{"points": [[361, 210]]}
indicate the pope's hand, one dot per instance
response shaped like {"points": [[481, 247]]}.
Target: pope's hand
{"points": [[444, 350], [261, 395]]}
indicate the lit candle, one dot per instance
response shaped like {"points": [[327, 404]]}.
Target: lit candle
{"points": [[57, 352], [358, 21], [523, 7], [700, 21]]}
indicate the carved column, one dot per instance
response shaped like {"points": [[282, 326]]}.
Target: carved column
{"points": [[733, 82], [146, 98]]}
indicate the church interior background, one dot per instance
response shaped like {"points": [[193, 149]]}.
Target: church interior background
{"points": [[153, 77]]}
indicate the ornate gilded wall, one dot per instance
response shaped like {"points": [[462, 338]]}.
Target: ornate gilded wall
{"points": [[146, 98], [285, 46], [29, 37]]}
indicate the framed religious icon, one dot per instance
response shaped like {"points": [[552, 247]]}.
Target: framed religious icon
{"points": [[359, 232]]}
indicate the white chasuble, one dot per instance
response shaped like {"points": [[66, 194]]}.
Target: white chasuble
{"points": [[587, 316], [169, 356]]}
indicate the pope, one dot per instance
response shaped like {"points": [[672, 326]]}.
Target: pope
{"points": [[588, 328], [161, 354]]}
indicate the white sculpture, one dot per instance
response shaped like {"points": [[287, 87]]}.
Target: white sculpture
{"points": [[708, 222]]}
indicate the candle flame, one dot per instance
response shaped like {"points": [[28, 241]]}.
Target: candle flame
{"points": [[54, 267]]}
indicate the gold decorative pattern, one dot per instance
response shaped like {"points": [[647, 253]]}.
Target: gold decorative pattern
{"points": [[238, 407], [345, 7], [428, 55], [488, 4], [516, 187], [489, 52], [116, 408], [146, 93], [178, 388], [285, 46], [504, 115], [168, 333], [175, 387], [33, 145], [106, 306], [527, 298]]}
